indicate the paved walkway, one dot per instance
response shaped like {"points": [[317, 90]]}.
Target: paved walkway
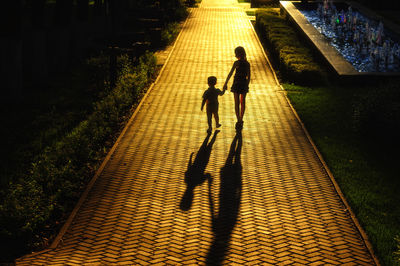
{"points": [[171, 195]]}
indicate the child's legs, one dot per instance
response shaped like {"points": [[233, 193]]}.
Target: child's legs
{"points": [[209, 116], [216, 116], [243, 105], [236, 96]]}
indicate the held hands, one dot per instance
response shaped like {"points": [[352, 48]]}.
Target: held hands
{"points": [[225, 87]]}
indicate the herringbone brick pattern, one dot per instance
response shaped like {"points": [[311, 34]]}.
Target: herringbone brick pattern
{"points": [[173, 195]]}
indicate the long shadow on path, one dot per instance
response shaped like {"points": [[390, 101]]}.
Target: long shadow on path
{"points": [[194, 175], [230, 195]]}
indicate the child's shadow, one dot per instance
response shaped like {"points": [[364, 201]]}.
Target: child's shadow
{"points": [[194, 175], [230, 195]]}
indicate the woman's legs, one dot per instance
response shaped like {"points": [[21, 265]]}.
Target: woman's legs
{"points": [[243, 105], [237, 102]]}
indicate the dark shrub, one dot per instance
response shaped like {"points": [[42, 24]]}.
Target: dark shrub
{"points": [[397, 253], [33, 206], [293, 59]]}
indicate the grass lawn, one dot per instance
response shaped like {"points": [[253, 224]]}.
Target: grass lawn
{"points": [[364, 166]]}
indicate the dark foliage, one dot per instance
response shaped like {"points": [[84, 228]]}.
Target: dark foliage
{"points": [[397, 253], [294, 60], [46, 194], [386, 4]]}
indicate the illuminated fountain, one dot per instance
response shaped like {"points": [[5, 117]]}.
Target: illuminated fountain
{"points": [[361, 41]]}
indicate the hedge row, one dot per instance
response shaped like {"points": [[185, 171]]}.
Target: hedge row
{"points": [[295, 60], [397, 253], [49, 191]]}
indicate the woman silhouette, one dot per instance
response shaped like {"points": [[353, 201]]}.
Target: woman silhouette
{"points": [[240, 86]]}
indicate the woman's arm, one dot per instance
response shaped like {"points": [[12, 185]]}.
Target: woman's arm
{"points": [[248, 75], [229, 76]]}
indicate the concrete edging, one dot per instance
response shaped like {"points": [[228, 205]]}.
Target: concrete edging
{"points": [[321, 159], [330, 55]]}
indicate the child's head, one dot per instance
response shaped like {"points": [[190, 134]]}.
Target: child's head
{"points": [[240, 53], [212, 81]]}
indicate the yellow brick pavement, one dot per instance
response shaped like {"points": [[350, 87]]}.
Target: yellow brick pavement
{"points": [[172, 195]]}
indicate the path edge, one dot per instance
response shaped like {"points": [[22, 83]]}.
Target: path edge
{"points": [[99, 171], [353, 217]]}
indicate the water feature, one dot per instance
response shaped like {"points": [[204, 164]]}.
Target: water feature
{"points": [[365, 43]]}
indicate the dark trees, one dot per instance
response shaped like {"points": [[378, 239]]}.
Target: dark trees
{"points": [[10, 18], [63, 12], [11, 47], [37, 15], [82, 9]]}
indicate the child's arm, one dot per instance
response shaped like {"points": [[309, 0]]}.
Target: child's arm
{"points": [[229, 76], [202, 103]]}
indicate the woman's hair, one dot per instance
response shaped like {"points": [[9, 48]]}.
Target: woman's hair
{"points": [[240, 52]]}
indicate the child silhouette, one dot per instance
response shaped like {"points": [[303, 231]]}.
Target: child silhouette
{"points": [[210, 97]]}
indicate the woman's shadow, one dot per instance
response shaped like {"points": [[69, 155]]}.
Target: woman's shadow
{"points": [[194, 175], [230, 195]]}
